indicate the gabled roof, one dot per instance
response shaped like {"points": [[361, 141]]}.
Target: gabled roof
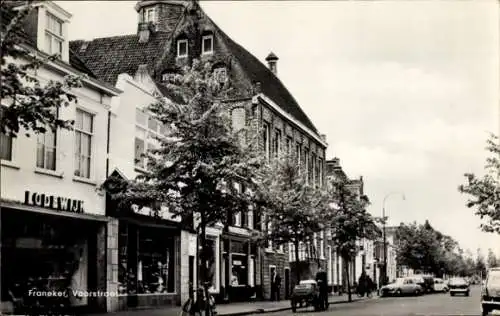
{"points": [[110, 56]]}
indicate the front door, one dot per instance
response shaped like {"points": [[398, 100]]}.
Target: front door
{"points": [[287, 283]]}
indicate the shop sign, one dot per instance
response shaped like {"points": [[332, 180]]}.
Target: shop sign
{"points": [[54, 202]]}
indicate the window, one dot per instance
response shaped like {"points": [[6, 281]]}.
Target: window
{"points": [[220, 74], [298, 152], [147, 130], [146, 262], [265, 139], [54, 38], [149, 15], [5, 147], [182, 48], [238, 118], [237, 222], [276, 142], [207, 44], [84, 126], [288, 145], [320, 171], [269, 230], [322, 244], [306, 164], [46, 150], [313, 169]]}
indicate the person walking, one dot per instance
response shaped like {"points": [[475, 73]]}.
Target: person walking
{"points": [[322, 280], [277, 282]]}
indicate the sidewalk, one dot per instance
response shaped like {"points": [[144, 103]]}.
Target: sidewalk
{"points": [[233, 309]]}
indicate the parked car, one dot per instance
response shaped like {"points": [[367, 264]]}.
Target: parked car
{"points": [[426, 282], [402, 286], [458, 286], [490, 298], [440, 285], [305, 294]]}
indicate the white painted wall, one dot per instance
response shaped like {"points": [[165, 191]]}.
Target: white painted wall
{"points": [[21, 173]]}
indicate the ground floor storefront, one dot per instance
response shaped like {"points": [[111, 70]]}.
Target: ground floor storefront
{"points": [[51, 258], [146, 265], [237, 272]]}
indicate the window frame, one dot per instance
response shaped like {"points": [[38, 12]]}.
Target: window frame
{"points": [[276, 142], [266, 130], [203, 48], [179, 42], [146, 17], [11, 146], [51, 37], [91, 144], [149, 136], [54, 147]]}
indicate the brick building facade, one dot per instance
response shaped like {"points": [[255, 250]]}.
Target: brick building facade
{"points": [[173, 33]]}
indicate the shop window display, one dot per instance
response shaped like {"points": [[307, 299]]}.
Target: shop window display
{"points": [[43, 253], [149, 267]]}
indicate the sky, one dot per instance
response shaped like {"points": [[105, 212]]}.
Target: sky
{"points": [[405, 91]]}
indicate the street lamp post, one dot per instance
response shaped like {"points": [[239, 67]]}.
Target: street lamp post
{"points": [[384, 275]]}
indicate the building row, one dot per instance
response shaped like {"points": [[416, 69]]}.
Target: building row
{"points": [[58, 222]]}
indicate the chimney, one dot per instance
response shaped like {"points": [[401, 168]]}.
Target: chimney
{"points": [[272, 63], [323, 137]]}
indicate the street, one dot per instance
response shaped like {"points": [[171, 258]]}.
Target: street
{"points": [[431, 304]]}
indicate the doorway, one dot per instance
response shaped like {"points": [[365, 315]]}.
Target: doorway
{"points": [[272, 270], [287, 283]]}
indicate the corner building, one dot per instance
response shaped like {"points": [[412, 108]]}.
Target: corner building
{"points": [[171, 34]]}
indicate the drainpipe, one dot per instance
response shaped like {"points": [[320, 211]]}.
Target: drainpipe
{"points": [[108, 142]]}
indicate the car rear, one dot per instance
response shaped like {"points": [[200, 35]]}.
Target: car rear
{"points": [[458, 286], [490, 298]]}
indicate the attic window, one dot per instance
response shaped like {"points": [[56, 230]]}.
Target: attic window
{"points": [[207, 44], [182, 48], [220, 74], [54, 38], [149, 15]]}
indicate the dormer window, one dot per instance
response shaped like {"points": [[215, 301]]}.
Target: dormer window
{"points": [[149, 15], [182, 48], [54, 38], [207, 44], [220, 74]]}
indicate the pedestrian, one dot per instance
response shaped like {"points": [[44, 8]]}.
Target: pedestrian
{"points": [[277, 282], [322, 280], [275, 278]]}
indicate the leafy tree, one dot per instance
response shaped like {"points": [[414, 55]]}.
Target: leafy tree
{"points": [[349, 221], [197, 165], [492, 259], [292, 207], [31, 105], [421, 247], [484, 192]]}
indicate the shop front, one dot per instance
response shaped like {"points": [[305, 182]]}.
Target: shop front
{"points": [[238, 269], [148, 261], [52, 254]]}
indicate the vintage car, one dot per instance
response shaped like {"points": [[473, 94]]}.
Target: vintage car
{"points": [[458, 286], [402, 286], [305, 294], [490, 298]]}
